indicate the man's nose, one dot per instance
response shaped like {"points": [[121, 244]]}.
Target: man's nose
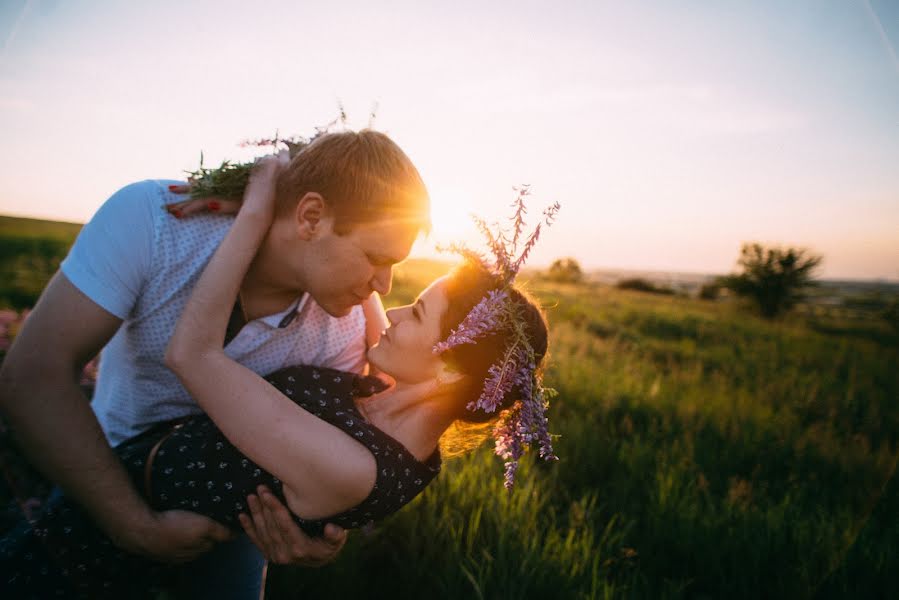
{"points": [[382, 279]]}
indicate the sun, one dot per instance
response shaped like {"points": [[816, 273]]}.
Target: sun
{"points": [[451, 212]]}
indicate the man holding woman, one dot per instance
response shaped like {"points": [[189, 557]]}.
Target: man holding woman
{"points": [[348, 208]]}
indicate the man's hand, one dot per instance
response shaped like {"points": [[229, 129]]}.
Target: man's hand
{"points": [[173, 536], [273, 530]]}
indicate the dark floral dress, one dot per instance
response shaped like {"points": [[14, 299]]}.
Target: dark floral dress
{"points": [[196, 468]]}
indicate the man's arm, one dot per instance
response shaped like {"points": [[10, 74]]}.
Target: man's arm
{"points": [[54, 424]]}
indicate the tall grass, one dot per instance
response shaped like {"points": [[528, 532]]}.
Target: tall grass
{"points": [[704, 453]]}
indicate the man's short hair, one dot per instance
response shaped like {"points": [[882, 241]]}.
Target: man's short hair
{"points": [[363, 176]]}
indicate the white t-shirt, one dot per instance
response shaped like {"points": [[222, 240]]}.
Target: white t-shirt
{"points": [[139, 263]]}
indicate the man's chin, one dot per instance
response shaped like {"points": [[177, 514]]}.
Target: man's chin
{"points": [[339, 311]]}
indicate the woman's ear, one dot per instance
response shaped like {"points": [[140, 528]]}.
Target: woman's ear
{"points": [[447, 376], [310, 213]]}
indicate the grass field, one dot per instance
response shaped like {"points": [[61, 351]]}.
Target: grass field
{"points": [[30, 252], [704, 453]]}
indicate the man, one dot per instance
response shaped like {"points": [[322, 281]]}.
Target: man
{"points": [[349, 207]]}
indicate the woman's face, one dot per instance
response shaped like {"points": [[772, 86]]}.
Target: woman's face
{"points": [[405, 350]]}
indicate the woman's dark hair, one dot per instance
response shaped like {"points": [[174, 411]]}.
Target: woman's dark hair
{"points": [[467, 285]]}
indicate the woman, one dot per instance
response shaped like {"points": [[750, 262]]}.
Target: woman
{"points": [[335, 447]]}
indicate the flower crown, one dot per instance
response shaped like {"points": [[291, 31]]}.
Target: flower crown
{"points": [[525, 422]]}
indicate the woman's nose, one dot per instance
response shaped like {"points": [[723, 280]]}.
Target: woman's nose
{"points": [[391, 315]]}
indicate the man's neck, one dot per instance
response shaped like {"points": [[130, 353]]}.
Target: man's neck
{"points": [[258, 305], [261, 296]]}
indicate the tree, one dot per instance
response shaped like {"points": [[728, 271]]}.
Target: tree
{"points": [[639, 284], [774, 278], [565, 270]]}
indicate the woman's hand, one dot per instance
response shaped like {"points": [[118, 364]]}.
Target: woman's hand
{"points": [[259, 196], [261, 176], [194, 206]]}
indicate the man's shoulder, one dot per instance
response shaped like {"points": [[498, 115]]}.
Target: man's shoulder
{"points": [[154, 190], [137, 204]]}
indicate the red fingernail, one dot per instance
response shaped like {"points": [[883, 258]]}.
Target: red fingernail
{"points": [[177, 213], [172, 188], [213, 205]]}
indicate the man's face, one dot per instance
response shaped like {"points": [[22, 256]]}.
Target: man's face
{"points": [[343, 270]]}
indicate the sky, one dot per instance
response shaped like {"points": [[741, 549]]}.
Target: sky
{"points": [[670, 131]]}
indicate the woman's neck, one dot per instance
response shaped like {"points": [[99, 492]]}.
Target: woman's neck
{"points": [[412, 414]]}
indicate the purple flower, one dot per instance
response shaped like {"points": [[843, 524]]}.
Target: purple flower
{"points": [[483, 318], [497, 246], [525, 423], [500, 379], [518, 217]]}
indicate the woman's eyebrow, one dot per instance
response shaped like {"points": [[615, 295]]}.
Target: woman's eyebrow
{"points": [[421, 305]]}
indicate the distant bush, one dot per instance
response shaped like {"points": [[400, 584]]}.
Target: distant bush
{"points": [[565, 270], [890, 314], [710, 291], [26, 265], [773, 278], [642, 285], [872, 302]]}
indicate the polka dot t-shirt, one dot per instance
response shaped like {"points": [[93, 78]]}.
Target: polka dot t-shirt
{"points": [[139, 263]]}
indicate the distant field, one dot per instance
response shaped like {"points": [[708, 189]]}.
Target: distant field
{"points": [[704, 453], [37, 228], [31, 249], [30, 252]]}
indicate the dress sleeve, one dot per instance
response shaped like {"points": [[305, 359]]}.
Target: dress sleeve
{"points": [[111, 258]]}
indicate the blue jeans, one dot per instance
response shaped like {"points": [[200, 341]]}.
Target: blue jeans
{"points": [[234, 570]]}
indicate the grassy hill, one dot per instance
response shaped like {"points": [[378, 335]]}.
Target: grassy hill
{"points": [[22, 227], [704, 453], [30, 252]]}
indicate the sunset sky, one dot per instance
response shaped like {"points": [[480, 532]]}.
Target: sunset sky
{"points": [[670, 131]]}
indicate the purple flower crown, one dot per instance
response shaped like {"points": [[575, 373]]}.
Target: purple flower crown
{"points": [[525, 422]]}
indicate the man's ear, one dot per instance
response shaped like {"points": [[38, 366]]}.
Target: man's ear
{"points": [[310, 213]]}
